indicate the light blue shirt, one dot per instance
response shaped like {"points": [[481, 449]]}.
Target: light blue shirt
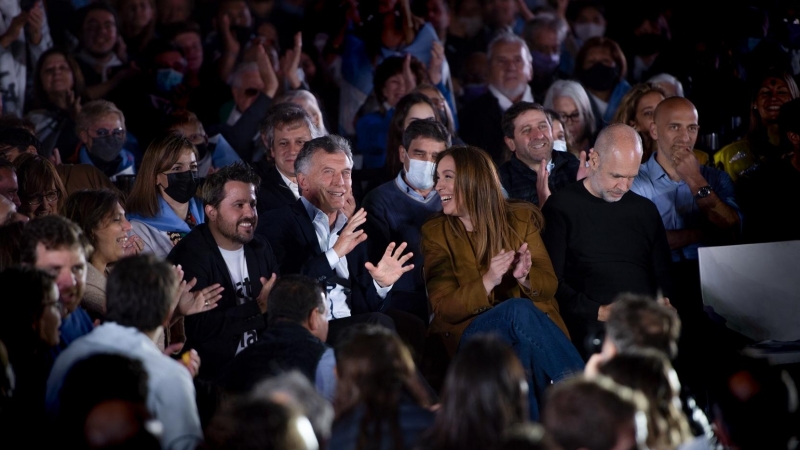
{"points": [[676, 202], [409, 191], [327, 237], [170, 396]]}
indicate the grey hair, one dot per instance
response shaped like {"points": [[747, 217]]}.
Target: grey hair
{"points": [[547, 21], [329, 144], [241, 69], [281, 115], [667, 78], [509, 38], [302, 94], [304, 397], [573, 90], [94, 110]]}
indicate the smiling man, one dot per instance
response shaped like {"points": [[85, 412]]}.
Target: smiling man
{"points": [[604, 239], [509, 71], [225, 250], [284, 131], [316, 236], [534, 170]]}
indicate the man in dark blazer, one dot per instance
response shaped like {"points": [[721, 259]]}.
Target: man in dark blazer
{"points": [[510, 69], [318, 236], [284, 131], [226, 251]]}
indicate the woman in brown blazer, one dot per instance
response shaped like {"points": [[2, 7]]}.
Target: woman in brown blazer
{"points": [[487, 270]]}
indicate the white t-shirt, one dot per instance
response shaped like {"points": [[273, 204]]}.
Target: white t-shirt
{"points": [[240, 278]]}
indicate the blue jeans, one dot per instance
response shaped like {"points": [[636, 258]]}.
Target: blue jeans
{"points": [[544, 351]]}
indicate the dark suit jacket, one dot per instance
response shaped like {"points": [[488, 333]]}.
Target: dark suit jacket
{"points": [[273, 193], [215, 334], [479, 125], [294, 241]]}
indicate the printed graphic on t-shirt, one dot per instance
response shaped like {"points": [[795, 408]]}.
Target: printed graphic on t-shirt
{"points": [[244, 293]]}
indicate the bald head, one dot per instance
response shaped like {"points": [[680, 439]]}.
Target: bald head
{"points": [[614, 162], [674, 128]]}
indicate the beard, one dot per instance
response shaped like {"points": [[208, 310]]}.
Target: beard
{"points": [[232, 231]]}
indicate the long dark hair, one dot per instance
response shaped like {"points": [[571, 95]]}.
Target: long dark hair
{"points": [[484, 393], [374, 370]]}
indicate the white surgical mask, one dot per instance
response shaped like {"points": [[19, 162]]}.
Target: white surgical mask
{"points": [[420, 174], [586, 31], [560, 146]]}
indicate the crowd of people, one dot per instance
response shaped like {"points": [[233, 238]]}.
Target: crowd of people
{"points": [[390, 224]]}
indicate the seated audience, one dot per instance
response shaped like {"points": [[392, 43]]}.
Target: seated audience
{"points": [[604, 240], [317, 236], [284, 131], [213, 152], [528, 133], [379, 398], [99, 50], [601, 68], [485, 380], [297, 328], [225, 251], [570, 100], [59, 88], [595, 414], [101, 129], [162, 207], [102, 219], [509, 73], [397, 209], [413, 106], [9, 187], [487, 270], [56, 245], [651, 373], [140, 297], [29, 328]]}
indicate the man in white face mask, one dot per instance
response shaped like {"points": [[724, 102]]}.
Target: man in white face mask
{"points": [[397, 209]]}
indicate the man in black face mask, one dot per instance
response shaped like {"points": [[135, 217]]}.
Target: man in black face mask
{"points": [[101, 128]]}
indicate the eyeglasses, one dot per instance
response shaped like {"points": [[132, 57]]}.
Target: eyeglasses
{"points": [[574, 117], [118, 133], [49, 197]]}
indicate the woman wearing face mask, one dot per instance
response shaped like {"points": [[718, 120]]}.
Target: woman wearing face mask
{"points": [[486, 270], [601, 68], [101, 129], [162, 208], [569, 99], [586, 19]]}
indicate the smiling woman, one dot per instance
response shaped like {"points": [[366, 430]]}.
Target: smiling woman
{"points": [[41, 191], [101, 216], [486, 270]]}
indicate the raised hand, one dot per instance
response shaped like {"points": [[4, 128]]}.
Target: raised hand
{"points": [[686, 165], [133, 245], [34, 24], [349, 237], [198, 301], [266, 288], [191, 360], [290, 62], [498, 267], [390, 268], [542, 186], [408, 76], [266, 70], [435, 65]]}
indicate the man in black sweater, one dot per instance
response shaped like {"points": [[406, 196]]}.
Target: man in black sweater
{"points": [[295, 339], [604, 240], [225, 250]]}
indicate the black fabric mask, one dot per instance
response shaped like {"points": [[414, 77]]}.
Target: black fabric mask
{"points": [[182, 185], [107, 148], [600, 77]]}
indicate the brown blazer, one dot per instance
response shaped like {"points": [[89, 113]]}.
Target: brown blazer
{"points": [[455, 287]]}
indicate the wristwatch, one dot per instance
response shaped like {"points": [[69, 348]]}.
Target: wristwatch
{"points": [[703, 192]]}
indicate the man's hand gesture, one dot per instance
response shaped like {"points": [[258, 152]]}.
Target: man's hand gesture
{"points": [[390, 268], [349, 237]]}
